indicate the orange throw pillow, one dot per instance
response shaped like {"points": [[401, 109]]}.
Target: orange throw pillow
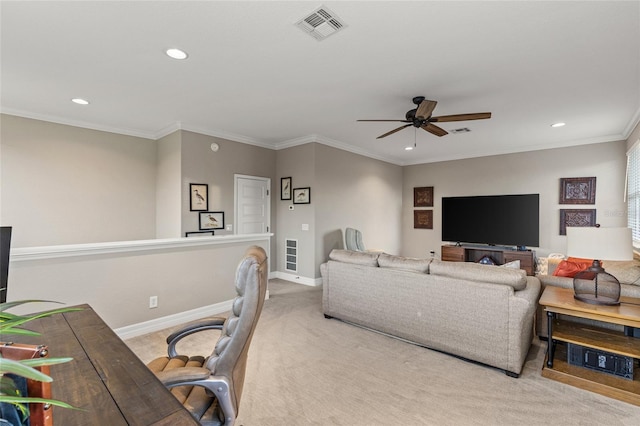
{"points": [[570, 267]]}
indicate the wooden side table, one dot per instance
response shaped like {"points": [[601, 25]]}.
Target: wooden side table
{"points": [[556, 301]]}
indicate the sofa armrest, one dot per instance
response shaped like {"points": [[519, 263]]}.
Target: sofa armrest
{"points": [[563, 282], [531, 292]]}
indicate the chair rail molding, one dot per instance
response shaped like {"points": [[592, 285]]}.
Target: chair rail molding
{"points": [[93, 249]]}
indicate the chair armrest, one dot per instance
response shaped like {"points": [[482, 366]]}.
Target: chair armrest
{"points": [[211, 323], [178, 376]]}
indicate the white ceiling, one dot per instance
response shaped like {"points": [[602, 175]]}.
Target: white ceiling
{"points": [[253, 76]]}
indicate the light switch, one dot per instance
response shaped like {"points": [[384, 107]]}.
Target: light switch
{"points": [[305, 226], [229, 227]]}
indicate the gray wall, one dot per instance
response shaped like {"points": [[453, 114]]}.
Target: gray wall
{"points": [[357, 192], [347, 190], [64, 185], [169, 186], [298, 163], [118, 285], [522, 173], [68, 185], [217, 169]]}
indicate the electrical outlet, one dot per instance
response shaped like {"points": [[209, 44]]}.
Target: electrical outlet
{"points": [[153, 302]]}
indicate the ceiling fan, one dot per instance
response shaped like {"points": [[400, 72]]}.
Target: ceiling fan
{"points": [[421, 117]]}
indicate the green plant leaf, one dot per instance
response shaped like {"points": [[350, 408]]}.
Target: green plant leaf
{"points": [[8, 305], [30, 399], [8, 327], [37, 362], [8, 386], [18, 331], [16, 367]]}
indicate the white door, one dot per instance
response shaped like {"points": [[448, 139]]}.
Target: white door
{"points": [[253, 205]]}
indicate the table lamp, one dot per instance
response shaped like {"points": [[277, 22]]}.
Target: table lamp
{"points": [[594, 285]]}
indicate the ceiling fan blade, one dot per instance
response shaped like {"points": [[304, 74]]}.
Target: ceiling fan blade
{"points": [[432, 128], [425, 108], [461, 117], [393, 131], [399, 121]]}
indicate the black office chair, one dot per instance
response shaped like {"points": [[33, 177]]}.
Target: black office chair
{"points": [[210, 388]]}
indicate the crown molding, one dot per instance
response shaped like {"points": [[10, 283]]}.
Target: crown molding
{"points": [[505, 151], [335, 144], [77, 123]]}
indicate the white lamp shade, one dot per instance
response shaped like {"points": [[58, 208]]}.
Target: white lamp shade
{"points": [[599, 243]]}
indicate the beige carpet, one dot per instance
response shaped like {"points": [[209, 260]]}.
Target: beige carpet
{"points": [[307, 370]]}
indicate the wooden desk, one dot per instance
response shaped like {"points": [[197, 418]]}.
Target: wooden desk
{"points": [[560, 301], [105, 380]]}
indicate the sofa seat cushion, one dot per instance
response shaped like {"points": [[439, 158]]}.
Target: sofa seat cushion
{"points": [[404, 263], [355, 257], [516, 278]]}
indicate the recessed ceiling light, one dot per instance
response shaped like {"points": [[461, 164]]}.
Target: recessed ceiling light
{"points": [[80, 101], [558, 124], [176, 53], [408, 148]]}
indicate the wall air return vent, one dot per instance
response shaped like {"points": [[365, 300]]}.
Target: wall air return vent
{"points": [[321, 23], [460, 130]]}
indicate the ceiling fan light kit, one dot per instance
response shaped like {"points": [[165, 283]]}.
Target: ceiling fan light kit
{"points": [[421, 117]]}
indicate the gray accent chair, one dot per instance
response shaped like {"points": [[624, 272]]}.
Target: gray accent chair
{"points": [[210, 388], [353, 240]]}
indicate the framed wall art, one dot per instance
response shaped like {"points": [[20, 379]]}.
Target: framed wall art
{"points": [[576, 217], [211, 220], [285, 188], [423, 196], [423, 219], [580, 190], [302, 195], [199, 197]]}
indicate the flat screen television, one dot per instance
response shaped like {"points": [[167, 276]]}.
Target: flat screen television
{"points": [[510, 220]]}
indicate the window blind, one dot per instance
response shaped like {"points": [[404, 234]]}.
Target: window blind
{"points": [[633, 193]]}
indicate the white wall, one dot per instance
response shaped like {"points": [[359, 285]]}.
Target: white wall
{"points": [[522, 173], [67, 185]]}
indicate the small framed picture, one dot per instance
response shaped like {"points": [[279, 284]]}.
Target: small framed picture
{"points": [[423, 219], [423, 196], [285, 188], [576, 217], [580, 190], [199, 234], [211, 220], [199, 196], [301, 195]]}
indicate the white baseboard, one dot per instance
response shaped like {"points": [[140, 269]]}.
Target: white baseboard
{"points": [[157, 324], [314, 282]]}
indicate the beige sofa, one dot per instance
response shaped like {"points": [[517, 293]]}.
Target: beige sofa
{"points": [[627, 272], [478, 312]]}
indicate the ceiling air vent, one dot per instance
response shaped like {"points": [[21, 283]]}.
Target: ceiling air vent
{"points": [[321, 23], [460, 130]]}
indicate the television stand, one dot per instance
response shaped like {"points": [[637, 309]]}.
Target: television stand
{"points": [[501, 255]]}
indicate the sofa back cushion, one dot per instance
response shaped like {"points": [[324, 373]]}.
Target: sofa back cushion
{"points": [[356, 257], [404, 263], [516, 278]]}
